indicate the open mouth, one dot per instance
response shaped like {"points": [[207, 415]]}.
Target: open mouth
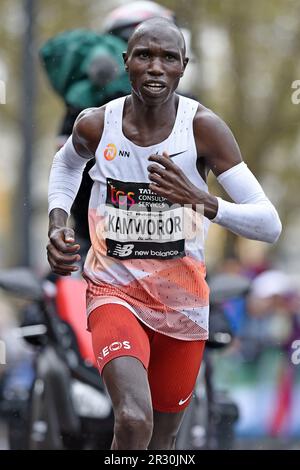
{"points": [[154, 87]]}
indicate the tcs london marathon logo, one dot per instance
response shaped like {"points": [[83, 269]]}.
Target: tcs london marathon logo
{"points": [[110, 152]]}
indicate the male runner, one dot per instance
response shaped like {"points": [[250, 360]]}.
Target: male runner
{"points": [[118, 26], [147, 298]]}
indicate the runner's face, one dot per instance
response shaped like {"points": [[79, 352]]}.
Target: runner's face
{"points": [[155, 63]]}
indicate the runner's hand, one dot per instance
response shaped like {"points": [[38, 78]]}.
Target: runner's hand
{"points": [[169, 181], [62, 251]]}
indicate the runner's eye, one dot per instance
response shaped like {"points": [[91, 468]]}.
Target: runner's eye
{"points": [[144, 55], [171, 57]]}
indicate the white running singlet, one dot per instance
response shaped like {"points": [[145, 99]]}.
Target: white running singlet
{"points": [[146, 253]]}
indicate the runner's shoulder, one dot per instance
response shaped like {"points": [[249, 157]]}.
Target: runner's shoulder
{"points": [[215, 141], [90, 123], [208, 123], [210, 129], [88, 129]]}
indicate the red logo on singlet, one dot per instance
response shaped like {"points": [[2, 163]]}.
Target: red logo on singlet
{"points": [[121, 198]]}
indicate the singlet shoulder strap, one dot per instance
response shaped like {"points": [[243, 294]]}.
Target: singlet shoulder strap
{"points": [[114, 114], [187, 109]]}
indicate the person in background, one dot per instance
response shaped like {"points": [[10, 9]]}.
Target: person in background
{"points": [[274, 320]]}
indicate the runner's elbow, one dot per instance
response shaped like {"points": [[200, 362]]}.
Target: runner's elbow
{"points": [[275, 226]]}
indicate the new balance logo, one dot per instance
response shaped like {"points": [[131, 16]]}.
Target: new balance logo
{"points": [[123, 251]]}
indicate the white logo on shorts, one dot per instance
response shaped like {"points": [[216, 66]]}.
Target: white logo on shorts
{"points": [[115, 346], [124, 250], [182, 402]]}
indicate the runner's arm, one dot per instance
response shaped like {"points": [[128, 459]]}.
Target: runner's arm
{"points": [[65, 178], [251, 214]]}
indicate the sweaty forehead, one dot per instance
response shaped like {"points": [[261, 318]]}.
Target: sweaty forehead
{"points": [[169, 37]]}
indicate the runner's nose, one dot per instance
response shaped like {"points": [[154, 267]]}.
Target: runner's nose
{"points": [[155, 67]]}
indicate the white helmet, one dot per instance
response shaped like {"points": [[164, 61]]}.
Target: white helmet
{"points": [[122, 21]]}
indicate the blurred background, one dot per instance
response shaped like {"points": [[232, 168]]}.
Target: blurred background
{"points": [[244, 62]]}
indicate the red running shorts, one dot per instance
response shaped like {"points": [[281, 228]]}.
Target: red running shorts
{"points": [[172, 364]]}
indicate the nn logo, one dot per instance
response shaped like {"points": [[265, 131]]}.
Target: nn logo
{"points": [[110, 152], [2, 353], [124, 153]]}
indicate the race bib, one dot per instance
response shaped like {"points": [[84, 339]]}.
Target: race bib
{"points": [[141, 224]]}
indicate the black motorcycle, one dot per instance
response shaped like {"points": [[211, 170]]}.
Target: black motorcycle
{"points": [[67, 406]]}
